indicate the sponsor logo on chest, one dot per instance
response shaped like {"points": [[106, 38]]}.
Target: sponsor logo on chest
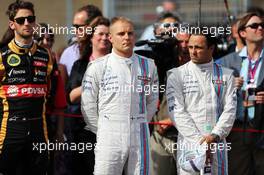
{"points": [[13, 60], [39, 64], [25, 90], [144, 78], [41, 59], [219, 82], [40, 73], [16, 72]]}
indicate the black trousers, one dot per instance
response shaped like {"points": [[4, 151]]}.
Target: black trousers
{"points": [[83, 158], [20, 154]]}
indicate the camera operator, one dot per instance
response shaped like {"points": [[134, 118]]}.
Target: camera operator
{"points": [[163, 48], [168, 6], [163, 138], [183, 51], [247, 153]]}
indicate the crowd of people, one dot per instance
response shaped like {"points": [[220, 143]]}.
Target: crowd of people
{"points": [[185, 110]]}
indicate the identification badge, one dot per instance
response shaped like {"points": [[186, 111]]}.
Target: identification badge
{"points": [[207, 170], [251, 86], [251, 90], [208, 127]]}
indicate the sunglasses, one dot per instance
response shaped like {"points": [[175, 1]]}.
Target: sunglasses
{"points": [[21, 20], [77, 26], [255, 25], [167, 25]]}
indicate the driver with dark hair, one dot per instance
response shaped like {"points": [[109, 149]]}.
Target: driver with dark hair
{"points": [[25, 70]]}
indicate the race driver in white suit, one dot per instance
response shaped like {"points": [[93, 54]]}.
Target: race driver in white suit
{"points": [[202, 104], [120, 90]]}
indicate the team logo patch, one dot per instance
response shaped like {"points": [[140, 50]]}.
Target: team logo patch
{"points": [[41, 59], [40, 73], [25, 90], [39, 64], [144, 78], [13, 60], [219, 82], [12, 90]]}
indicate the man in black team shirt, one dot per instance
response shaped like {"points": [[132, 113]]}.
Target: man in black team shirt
{"points": [[25, 69]]}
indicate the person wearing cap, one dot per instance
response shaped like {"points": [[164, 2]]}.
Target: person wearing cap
{"points": [[201, 99]]}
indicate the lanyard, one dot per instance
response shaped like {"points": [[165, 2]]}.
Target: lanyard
{"points": [[252, 72], [218, 78], [218, 86]]}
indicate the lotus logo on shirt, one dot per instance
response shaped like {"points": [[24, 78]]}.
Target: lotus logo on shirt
{"points": [[13, 60]]}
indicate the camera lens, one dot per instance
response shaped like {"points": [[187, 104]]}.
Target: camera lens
{"points": [[175, 24], [166, 25], [251, 91]]}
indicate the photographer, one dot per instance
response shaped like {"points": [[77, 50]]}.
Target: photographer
{"points": [[163, 48], [247, 153]]}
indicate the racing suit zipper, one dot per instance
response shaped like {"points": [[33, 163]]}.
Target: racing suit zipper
{"points": [[29, 56], [130, 121]]}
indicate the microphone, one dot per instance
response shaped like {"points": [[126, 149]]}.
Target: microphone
{"points": [[235, 72], [141, 43], [151, 42]]}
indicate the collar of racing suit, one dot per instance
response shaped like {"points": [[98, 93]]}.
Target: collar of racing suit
{"points": [[23, 45], [20, 50], [203, 67], [121, 59]]}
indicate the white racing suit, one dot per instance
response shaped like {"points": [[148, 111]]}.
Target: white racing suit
{"points": [[122, 93], [202, 100]]}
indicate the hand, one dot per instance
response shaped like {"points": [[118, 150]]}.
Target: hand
{"points": [[260, 97], [208, 156], [208, 139], [239, 82], [75, 94], [162, 128]]}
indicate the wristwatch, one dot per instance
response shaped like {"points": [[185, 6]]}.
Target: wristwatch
{"points": [[216, 138]]}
